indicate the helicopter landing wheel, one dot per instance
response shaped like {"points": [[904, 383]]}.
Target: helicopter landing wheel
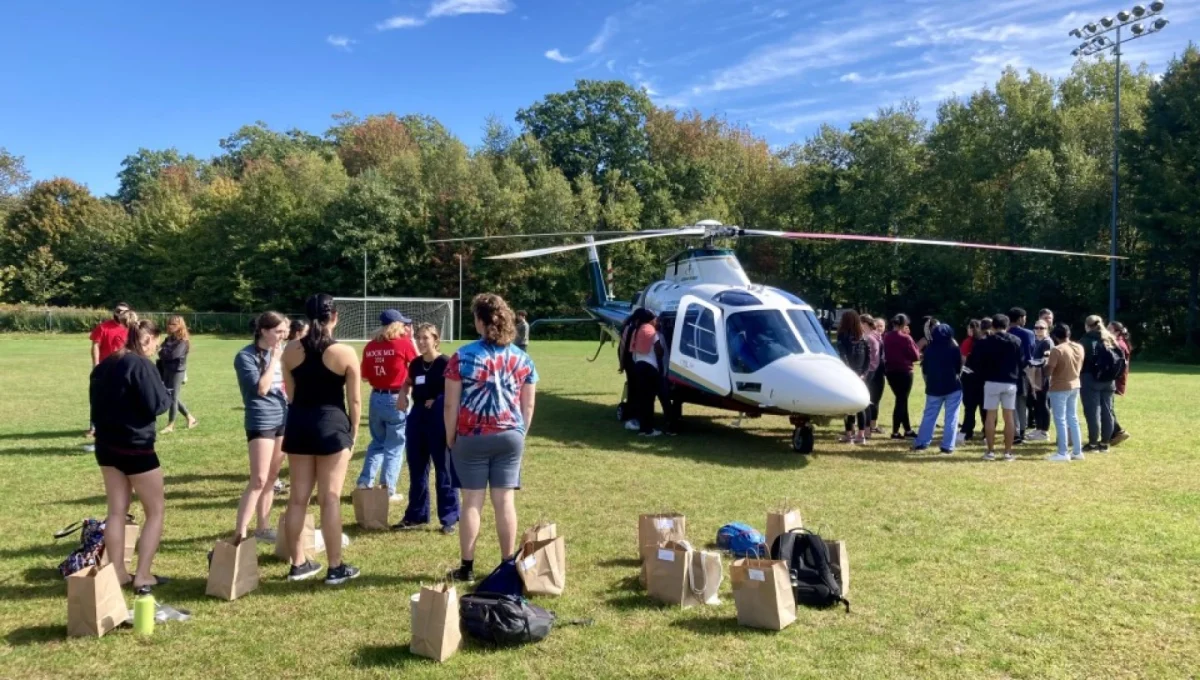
{"points": [[802, 439]]}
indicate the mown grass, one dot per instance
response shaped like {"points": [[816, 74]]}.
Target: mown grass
{"points": [[960, 568]]}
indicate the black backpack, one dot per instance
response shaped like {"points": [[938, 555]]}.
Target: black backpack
{"points": [[1108, 363], [506, 620], [807, 557]]}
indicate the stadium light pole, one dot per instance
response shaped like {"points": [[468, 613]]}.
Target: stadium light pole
{"points": [[1095, 41]]}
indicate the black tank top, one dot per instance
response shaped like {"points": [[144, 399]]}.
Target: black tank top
{"points": [[316, 385]]}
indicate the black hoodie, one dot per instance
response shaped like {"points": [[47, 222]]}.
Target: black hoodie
{"points": [[127, 395]]}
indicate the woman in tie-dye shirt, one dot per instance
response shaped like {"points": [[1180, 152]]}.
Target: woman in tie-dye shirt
{"points": [[490, 387]]}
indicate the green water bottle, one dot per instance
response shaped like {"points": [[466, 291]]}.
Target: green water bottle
{"points": [[143, 613]]}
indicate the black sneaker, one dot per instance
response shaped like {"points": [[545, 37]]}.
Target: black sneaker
{"points": [[945, 451], [462, 575], [920, 447], [910, 435], [1103, 448], [304, 571], [408, 526], [897, 435], [447, 530], [1018, 441], [336, 576], [1088, 448]]}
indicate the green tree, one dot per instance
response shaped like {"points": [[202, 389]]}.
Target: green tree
{"points": [[141, 169], [43, 277]]}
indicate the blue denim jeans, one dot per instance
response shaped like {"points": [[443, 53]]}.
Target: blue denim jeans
{"points": [[426, 448], [1064, 405], [386, 423], [949, 428]]}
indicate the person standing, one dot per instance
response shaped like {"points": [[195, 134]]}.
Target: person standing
{"points": [[1098, 383], [1125, 344], [425, 432], [874, 372], [172, 364], [385, 365], [297, 330], [522, 341], [323, 387], [972, 384], [878, 379], [260, 378], [899, 355], [107, 337], [1063, 367], [1016, 319], [997, 359], [126, 396], [856, 354], [489, 405], [1038, 380], [647, 354], [941, 367]]}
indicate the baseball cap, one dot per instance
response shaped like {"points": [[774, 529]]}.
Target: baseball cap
{"points": [[391, 316]]}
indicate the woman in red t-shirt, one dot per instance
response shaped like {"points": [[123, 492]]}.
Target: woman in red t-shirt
{"points": [[385, 366]]}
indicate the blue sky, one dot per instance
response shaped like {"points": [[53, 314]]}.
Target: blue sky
{"points": [[87, 83]]}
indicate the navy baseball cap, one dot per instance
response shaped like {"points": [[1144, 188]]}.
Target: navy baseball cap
{"points": [[391, 316]]}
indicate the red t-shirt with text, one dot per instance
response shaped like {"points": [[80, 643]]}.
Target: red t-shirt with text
{"points": [[110, 336], [385, 362]]}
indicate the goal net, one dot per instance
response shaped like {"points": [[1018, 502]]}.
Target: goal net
{"points": [[358, 318]]}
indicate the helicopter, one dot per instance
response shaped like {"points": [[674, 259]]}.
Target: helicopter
{"points": [[733, 344]]}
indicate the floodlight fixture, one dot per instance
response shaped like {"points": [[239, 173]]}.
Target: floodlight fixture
{"points": [[1160, 24], [1138, 11], [1157, 6]]}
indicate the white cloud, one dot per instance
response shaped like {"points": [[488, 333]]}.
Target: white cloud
{"points": [[340, 41], [555, 55], [607, 31], [831, 116], [851, 77], [779, 14], [399, 22], [611, 65], [452, 8]]}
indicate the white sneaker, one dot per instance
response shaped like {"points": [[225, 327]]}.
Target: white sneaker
{"points": [[1009, 457], [632, 425], [363, 486], [1059, 458], [1076, 456], [651, 433], [1037, 436], [989, 456], [396, 498]]}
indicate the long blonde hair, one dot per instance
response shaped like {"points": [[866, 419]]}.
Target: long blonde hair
{"points": [[390, 332], [1095, 323], [182, 332]]}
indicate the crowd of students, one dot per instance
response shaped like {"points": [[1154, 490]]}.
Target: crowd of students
{"points": [[1003, 370], [465, 416]]}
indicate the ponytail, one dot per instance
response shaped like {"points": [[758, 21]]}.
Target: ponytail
{"points": [[138, 331], [322, 316], [500, 327]]}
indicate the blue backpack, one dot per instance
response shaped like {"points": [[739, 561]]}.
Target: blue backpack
{"points": [[504, 580], [742, 540]]}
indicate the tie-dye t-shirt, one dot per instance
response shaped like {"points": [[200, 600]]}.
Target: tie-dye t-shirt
{"points": [[491, 380]]}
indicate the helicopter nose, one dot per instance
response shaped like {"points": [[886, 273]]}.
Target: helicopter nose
{"points": [[817, 385]]}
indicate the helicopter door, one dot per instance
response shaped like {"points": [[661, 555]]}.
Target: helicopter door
{"points": [[697, 355]]}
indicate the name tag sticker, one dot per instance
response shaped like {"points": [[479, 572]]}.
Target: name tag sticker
{"points": [[420, 380], [666, 555], [757, 575], [529, 562], [664, 523]]}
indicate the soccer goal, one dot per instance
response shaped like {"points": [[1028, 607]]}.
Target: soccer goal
{"points": [[358, 318]]}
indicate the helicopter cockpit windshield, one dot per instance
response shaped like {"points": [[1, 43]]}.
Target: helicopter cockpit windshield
{"points": [[758, 338]]}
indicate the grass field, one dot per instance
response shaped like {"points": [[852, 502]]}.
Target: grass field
{"points": [[960, 568]]}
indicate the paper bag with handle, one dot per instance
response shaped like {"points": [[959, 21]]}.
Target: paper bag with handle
{"points": [[678, 575], [131, 539], [95, 604], [308, 539], [659, 528], [542, 531], [233, 571], [371, 508], [436, 634], [542, 566], [762, 593], [780, 522]]}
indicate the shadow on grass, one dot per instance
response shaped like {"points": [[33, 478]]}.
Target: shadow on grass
{"points": [[174, 480], [49, 551], [170, 495], [629, 595], [623, 562], [50, 434], [718, 626], [36, 635], [385, 656], [578, 423], [73, 450]]}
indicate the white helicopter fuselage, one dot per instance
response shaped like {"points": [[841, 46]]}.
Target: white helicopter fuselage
{"points": [[757, 348]]}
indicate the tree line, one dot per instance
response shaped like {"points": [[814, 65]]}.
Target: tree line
{"points": [[277, 215]]}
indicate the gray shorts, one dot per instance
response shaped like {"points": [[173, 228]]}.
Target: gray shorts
{"points": [[489, 460]]}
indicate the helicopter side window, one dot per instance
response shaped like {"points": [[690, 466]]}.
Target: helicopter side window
{"points": [[811, 332], [759, 338], [699, 337]]}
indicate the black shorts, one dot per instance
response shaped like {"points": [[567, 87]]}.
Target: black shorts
{"points": [[272, 433], [128, 463], [316, 431]]}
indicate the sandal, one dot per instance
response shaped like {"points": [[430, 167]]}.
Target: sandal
{"points": [[158, 581]]}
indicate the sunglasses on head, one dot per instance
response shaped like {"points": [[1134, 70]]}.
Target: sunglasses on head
{"points": [[1039, 328]]}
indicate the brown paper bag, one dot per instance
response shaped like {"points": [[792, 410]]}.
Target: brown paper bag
{"points": [[659, 528], [234, 569], [131, 538], [678, 575], [542, 531], [436, 633], [782, 522], [762, 593], [542, 566], [371, 508], [839, 563], [308, 539], [95, 603]]}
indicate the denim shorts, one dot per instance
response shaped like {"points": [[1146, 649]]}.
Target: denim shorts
{"points": [[489, 460]]}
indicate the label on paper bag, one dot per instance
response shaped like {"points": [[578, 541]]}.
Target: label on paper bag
{"points": [[666, 555], [757, 575], [664, 523], [529, 562]]}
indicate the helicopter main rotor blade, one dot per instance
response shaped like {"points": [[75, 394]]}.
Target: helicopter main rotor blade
{"points": [[638, 236], [795, 235], [497, 237]]}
